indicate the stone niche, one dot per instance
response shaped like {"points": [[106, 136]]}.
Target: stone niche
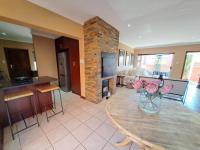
{"points": [[99, 36]]}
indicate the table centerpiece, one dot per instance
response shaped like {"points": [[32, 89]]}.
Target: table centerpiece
{"points": [[151, 94]]}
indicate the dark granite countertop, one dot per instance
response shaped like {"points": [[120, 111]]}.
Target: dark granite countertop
{"points": [[4, 85]]}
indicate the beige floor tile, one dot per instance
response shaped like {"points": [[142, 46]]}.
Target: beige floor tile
{"points": [[109, 147], [72, 124], [94, 142], [82, 132], [29, 135], [12, 145], [57, 134], [80, 147], [106, 131], [64, 118], [48, 126], [84, 116], [102, 116], [67, 143], [75, 111], [40, 143], [93, 123], [7, 137]]}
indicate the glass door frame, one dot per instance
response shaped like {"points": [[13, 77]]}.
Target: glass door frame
{"points": [[185, 61]]}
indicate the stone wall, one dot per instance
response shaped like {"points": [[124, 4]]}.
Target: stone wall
{"points": [[99, 37]]}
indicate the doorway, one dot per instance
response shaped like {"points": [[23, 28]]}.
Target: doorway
{"points": [[68, 50], [192, 67], [18, 62]]}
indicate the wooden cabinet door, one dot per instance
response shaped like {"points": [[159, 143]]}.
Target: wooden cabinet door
{"points": [[75, 66], [18, 62]]}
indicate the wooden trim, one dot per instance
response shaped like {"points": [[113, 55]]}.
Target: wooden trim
{"points": [[185, 61], [17, 95], [162, 53], [83, 97], [47, 88], [183, 65], [180, 80], [131, 137]]}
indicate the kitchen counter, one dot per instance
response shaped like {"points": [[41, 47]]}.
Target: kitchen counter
{"points": [[5, 85], [23, 105]]}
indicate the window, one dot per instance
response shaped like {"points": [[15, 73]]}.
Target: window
{"points": [[155, 64], [129, 59], [192, 67], [121, 58]]}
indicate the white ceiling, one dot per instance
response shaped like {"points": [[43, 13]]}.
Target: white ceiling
{"points": [[153, 22], [14, 32]]}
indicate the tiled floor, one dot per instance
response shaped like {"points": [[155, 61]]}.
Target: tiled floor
{"points": [[84, 126]]}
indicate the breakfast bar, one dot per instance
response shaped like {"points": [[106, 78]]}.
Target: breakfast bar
{"points": [[22, 104]]}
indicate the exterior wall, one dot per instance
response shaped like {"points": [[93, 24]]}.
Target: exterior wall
{"points": [[45, 56], [98, 37], [179, 56], [27, 14]]}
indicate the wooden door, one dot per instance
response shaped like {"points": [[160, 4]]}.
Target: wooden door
{"points": [[72, 46], [75, 66], [18, 62]]}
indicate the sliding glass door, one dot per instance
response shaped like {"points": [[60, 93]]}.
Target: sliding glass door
{"points": [[192, 67], [156, 64]]}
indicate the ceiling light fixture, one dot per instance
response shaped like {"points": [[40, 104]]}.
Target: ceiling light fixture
{"points": [[3, 33], [129, 25]]}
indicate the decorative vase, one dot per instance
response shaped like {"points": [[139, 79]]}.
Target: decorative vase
{"points": [[147, 105]]}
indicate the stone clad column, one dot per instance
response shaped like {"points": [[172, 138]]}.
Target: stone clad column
{"points": [[99, 37]]}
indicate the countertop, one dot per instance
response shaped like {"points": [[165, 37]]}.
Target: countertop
{"points": [[4, 85]]}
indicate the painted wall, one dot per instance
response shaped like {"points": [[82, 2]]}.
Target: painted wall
{"points": [[45, 56], [13, 44], [126, 48], [179, 56], [35, 17]]}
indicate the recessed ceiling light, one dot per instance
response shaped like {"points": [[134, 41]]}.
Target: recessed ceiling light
{"points": [[3, 33], [129, 25]]}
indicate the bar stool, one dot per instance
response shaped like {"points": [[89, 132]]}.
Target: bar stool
{"points": [[50, 88], [14, 96]]}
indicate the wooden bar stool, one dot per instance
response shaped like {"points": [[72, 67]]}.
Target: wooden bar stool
{"points": [[14, 96], [50, 88]]}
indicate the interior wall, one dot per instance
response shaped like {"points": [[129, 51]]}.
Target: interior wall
{"points": [[179, 56], [13, 44], [126, 48], [30, 15], [45, 56]]}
